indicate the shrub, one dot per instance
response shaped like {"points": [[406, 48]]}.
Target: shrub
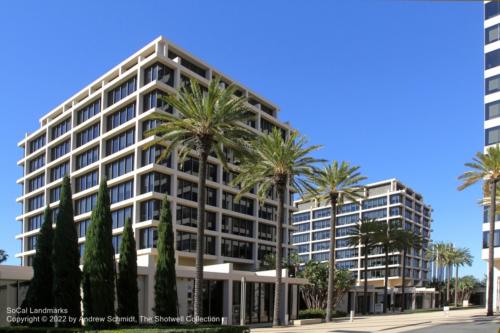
{"points": [[319, 313], [312, 313]]}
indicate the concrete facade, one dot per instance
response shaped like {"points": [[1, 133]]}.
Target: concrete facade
{"points": [[492, 123], [388, 200], [99, 132]]}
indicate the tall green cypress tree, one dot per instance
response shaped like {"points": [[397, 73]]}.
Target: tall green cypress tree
{"points": [[126, 287], [165, 278], [66, 260], [99, 263], [40, 295]]}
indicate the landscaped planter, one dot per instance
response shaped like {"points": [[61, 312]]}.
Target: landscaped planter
{"points": [[302, 322]]}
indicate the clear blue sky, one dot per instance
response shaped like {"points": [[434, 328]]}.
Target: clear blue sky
{"points": [[394, 86]]}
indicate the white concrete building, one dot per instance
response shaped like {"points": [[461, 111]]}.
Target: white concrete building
{"points": [[389, 201], [99, 132], [492, 121]]}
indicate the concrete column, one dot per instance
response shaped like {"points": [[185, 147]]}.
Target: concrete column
{"points": [[227, 310], [243, 301], [413, 301]]}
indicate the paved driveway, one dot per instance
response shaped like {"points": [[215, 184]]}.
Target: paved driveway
{"points": [[469, 320]]}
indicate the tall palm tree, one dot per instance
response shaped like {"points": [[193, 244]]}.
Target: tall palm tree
{"points": [[364, 234], [460, 257], [486, 167], [206, 123], [276, 162], [406, 240], [335, 183], [386, 234], [439, 252]]}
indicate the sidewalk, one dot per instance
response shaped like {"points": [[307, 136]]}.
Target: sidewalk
{"points": [[393, 323]]}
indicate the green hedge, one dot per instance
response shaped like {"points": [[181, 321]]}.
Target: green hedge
{"points": [[312, 313], [140, 329], [319, 313]]}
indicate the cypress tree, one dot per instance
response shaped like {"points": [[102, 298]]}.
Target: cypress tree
{"points": [[165, 278], [39, 295], [99, 263], [126, 287], [66, 260]]}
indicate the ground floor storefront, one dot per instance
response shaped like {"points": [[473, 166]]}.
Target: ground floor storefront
{"points": [[414, 298], [229, 296]]}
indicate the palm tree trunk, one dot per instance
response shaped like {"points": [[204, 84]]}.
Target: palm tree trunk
{"points": [[279, 253], [456, 285], [491, 245], [365, 287], [448, 278], [403, 281], [200, 237], [386, 277], [331, 266]]}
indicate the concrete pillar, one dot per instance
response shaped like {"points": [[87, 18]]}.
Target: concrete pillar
{"points": [[284, 304], [413, 301], [243, 302], [227, 292]]}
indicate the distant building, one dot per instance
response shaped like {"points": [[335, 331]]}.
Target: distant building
{"points": [[389, 201]]}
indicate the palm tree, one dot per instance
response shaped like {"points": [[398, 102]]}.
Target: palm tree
{"points": [[3, 256], [439, 252], [386, 234], [460, 257], [406, 240], [206, 123], [335, 183], [364, 234], [486, 167], [275, 163]]}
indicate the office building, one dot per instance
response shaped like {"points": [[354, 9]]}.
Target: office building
{"points": [[389, 201], [99, 132], [492, 121]]}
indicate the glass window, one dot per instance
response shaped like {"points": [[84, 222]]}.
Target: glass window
{"points": [[60, 150], [159, 72], [87, 135], [36, 183], [492, 136], [186, 241], [36, 163], [61, 128], [120, 141], [154, 99], [188, 216], [122, 91], [236, 226], [267, 232], [243, 205], [155, 182], [37, 143], [491, 9], [120, 216], [492, 59], [152, 155], [236, 248], [120, 167], [120, 117], [150, 210], [148, 238], [121, 191], [492, 84], [86, 181], [59, 171], [492, 34], [87, 157], [300, 217], [88, 111], [85, 204], [82, 227], [492, 110]]}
